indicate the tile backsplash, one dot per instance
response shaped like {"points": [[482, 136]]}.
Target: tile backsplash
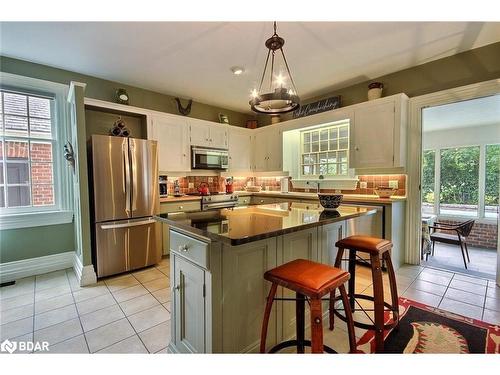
{"points": [[217, 184]]}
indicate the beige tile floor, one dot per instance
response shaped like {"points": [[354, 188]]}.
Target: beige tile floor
{"points": [[131, 313], [125, 314]]}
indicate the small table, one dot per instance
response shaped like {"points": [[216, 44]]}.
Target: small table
{"points": [[427, 220]]}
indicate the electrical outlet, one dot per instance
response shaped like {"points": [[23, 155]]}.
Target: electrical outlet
{"points": [[210, 180], [191, 185], [393, 184], [306, 190], [363, 184]]}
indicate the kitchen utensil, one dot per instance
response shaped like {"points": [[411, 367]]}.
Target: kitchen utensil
{"points": [[203, 189], [330, 201], [229, 185], [284, 184]]}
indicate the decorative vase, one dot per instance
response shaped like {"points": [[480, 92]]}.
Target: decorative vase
{"points": [[375, 90]]}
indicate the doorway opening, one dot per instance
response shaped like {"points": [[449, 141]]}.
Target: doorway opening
{"points": [[460, 186]]}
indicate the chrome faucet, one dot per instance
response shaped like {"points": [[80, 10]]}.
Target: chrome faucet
{"points": [[314, 182], [321, 177]]}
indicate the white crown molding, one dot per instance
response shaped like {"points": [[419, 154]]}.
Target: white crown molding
{"points": [[35, 266], [84, 274]]}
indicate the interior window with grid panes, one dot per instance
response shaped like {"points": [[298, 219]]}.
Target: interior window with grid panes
{"points": [[325, 151], [26, 150]]}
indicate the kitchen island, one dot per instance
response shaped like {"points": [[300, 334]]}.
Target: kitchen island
{"points": [[217, 262]]}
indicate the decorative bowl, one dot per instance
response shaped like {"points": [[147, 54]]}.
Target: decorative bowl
{"points": [[384, 192], [254, 189], [330, 201], [329, 214]]}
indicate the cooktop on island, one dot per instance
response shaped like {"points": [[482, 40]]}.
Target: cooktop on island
{"points": [[241, 225]]}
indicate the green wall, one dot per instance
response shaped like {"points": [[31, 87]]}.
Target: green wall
{"points": [[477, 65], [25, 243], [105, 90]]}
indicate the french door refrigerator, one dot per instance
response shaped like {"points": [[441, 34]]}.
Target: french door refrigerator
{"points": [[125, 194]]}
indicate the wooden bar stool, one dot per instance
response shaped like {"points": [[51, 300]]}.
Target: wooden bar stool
{"points": [[311, 281], [378, 249]]}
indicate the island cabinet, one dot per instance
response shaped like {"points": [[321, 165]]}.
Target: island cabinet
{"points": [[219, 292]]}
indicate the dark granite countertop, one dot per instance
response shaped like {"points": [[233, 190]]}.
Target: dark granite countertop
{"points": [[240, 225]]}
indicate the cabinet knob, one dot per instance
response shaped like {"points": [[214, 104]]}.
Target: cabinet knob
{"points": [[356, 148], [181, 207], [183, 248]]}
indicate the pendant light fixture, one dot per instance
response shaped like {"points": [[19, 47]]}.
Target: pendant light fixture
{"points": [[282, 96]]}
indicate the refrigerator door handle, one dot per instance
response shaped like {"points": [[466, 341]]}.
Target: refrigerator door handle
{"points": [[134, 174], [127, 225], [126, 174]]}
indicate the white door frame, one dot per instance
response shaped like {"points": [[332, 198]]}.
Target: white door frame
{"points": [[414, 157]]}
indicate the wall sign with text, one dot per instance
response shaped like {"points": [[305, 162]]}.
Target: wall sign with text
{"points": [[317, 107]]}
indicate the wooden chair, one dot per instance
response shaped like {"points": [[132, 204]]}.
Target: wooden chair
{"points": [[458, 237]]}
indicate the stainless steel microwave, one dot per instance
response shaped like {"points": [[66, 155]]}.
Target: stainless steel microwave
{"points": [[209, 158]]}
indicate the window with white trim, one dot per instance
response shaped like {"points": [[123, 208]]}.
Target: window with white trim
{"points": [[461, 181], [26, 149], [325, 151]]}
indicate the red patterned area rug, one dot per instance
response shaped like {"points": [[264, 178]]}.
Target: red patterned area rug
{"points": [[425, 329]]}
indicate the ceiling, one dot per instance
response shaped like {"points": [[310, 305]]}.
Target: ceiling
{"points": [[468, 113], [193, 59]]}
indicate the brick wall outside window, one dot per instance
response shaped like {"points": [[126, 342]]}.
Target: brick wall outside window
{"points": [[482, 235]]}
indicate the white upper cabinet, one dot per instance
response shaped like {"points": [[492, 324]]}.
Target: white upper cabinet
{"points": [[207, 134], [172, 134], [240, 149], [268, 149], [378, 133]]}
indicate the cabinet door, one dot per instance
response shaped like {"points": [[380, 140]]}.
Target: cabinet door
{"points": [[240, 151], [243, 270], [218, 136], [329, 235], [173, 143], [298, 245], [274, 149], [165, 239], [373, 136], [260, 152], [199, 133], [189, 306]]}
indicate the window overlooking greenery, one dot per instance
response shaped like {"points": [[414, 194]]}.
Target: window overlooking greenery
{"points": [[492, 180], [428, 180], [459, 188], [459, 191], [325, 151]]}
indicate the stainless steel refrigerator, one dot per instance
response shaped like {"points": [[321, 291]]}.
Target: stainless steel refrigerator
{"points": [[124, 175]]}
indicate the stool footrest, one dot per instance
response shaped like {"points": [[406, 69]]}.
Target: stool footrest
{"points": [[289, 343], [392, 323]]}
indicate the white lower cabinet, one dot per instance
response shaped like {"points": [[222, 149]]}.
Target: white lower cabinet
{"points": [[188, 299]]}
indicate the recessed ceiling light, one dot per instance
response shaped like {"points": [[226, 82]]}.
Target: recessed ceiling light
{"points": [[237, 70]]}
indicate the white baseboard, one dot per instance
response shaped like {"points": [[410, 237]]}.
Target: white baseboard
{"points": [[35, 266], [84, 274]]}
